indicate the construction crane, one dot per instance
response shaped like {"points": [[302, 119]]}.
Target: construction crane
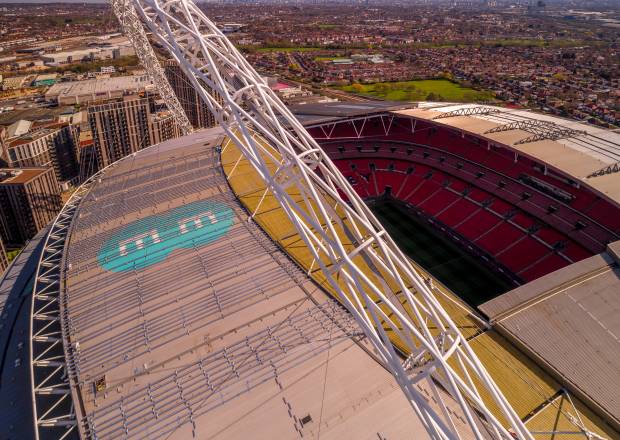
{"points": [[289, 160]]}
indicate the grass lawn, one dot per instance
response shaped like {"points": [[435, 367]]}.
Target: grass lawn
{"points": [[12, 254], [326, 58], [419, 90], [465, 275], [288, 49]]}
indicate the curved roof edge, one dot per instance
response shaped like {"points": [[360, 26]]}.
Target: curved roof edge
{"points": [[586, 153], [15, 296]]}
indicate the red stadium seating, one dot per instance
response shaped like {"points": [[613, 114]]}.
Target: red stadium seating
{"points": [[472, 188], [473, 227], [499, 238], [550, 263], [458, 212], [575, 252], [606, 214], [422, 192], [388, 178], [522, 220], [522, 253], [550, 236], [441, 200]]}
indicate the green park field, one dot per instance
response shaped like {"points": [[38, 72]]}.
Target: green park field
{"points": [[419, 90]]}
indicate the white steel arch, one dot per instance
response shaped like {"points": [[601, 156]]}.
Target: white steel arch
{"points": [[267, 133], [133, 29]]}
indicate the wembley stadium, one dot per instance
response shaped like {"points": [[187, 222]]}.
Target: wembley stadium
{"points": [[340, 271], [186, 306]]}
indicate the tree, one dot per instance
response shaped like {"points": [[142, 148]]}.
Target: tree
{"points": [[357, 87], [448, 76]]}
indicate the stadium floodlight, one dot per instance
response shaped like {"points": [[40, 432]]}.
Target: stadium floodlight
{"points": [[289, 160]]}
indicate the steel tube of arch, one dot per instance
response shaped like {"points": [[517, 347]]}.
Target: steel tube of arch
{"points": [[266, 133]]}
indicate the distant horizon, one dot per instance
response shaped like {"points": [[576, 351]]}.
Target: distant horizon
{"points": [[586, 3]]}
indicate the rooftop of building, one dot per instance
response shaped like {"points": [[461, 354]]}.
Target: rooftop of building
{"points": [[18, 128], [37, 131], [15, 291], [43, 114], [317, 113], [19, 176], [98, 86]]}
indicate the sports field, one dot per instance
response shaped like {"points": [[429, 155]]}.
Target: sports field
{"points": [[463, 274], [420, 90]]}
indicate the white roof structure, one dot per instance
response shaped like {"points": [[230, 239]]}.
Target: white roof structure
{"points": [[579, 150]]}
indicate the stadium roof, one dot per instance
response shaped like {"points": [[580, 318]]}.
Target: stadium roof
{"points": [[574, 148], [183, 318], [568, 321], [310, 114], [186, 320], [581, 151]]}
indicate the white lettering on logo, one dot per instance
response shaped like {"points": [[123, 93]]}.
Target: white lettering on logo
{"points": [[196, 220], [138, 240]]}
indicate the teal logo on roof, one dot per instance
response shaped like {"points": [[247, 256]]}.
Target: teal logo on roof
{"points": [[150, 240]]}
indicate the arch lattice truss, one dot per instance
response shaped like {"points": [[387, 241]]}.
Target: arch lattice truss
{"points": [[314, 195]]}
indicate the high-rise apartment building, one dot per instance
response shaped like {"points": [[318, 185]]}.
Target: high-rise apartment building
{"points": [[47, 146], [164, 128], [127, 125], [29, 200], [195, 109]]}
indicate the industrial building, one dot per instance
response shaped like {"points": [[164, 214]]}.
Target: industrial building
{"points": [[100, 89], [101, 52]]}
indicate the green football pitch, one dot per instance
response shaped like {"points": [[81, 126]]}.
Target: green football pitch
{"points": [[462, 273]]}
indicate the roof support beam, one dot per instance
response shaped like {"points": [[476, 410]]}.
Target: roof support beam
{"points": [[610, 169], [468, 111], [540, 130]]}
